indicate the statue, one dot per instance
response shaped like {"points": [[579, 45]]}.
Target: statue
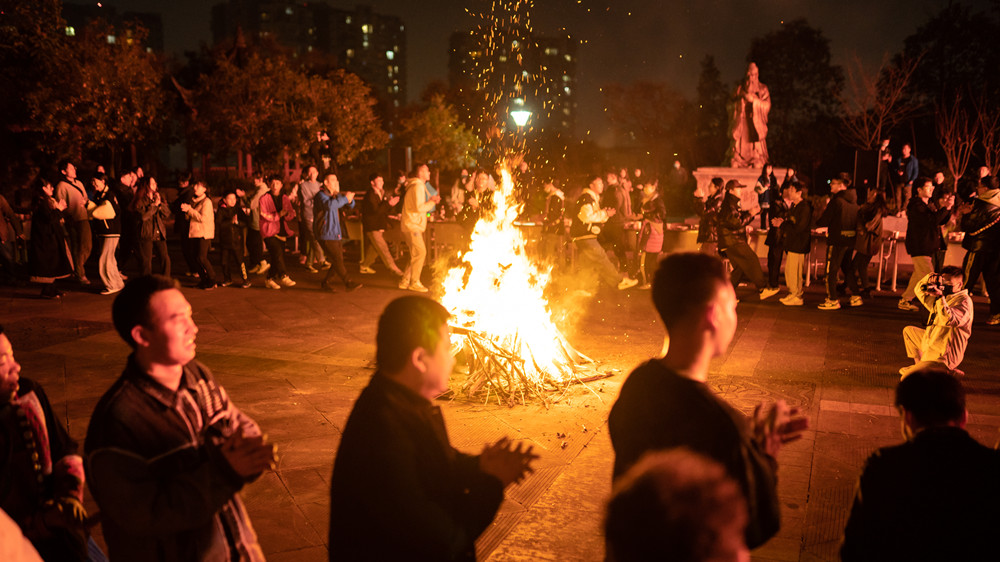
{"points": [[749, 124]]}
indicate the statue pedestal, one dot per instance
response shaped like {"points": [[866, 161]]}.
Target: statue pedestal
{"points": [[747, 176]]}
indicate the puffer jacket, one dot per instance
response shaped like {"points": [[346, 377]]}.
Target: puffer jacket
{"points": [[708, 225], [982, 225], [733, 221]]}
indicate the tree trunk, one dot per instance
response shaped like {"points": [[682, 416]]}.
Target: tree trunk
{"points": [[249, 166], [239, 163]]}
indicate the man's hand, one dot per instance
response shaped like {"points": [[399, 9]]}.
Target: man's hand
{"points": [[349, 195], [777, 424], [248, 456], [436, 199], [66, 513], [393, 201], [507, 463], [777, 221], [185, 207], [611, 212]]}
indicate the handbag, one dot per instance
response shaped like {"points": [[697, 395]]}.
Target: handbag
{"points": [[103, 211]]}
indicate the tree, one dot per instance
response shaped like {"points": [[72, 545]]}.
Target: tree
{"points": [[988, 117], [713, 119], [437, 135], [795, 64], [875, 102], [957, 132]]}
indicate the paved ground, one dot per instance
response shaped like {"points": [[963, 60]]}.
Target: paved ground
{"points": [[296, 359]]}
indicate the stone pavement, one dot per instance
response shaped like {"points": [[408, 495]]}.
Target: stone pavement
{"points": [[296, 359]]}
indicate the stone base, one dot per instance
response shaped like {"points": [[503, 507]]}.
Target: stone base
{"points": [[703, 176]]}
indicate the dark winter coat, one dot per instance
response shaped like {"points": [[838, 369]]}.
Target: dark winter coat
{"points": [[48, 255], [841, 218], [923, 228]]}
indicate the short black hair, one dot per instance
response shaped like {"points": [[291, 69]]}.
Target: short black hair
{"points": [[674, 505], [718, 182], [274, 177], [99, 176], [63, 163], [406, 324], [131, 306], [953, 272], [685, 282], [933, 396], [372, 177]]}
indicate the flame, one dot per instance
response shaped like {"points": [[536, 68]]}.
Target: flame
{"points": [[499, 292]]}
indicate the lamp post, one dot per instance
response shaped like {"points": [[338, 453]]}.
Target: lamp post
{"points": [[519, 112]]}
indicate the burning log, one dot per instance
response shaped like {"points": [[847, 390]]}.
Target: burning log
{"points": [[505, 372]]}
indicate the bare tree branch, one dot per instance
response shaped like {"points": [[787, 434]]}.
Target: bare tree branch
{"points": [[988, 116], [874, 102], [957, 132]]}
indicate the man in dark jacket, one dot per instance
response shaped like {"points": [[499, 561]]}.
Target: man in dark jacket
{"points": [[375, 209], [935, 497], [665, 403], [981, 224], [732, 240], [399, 490], [167, 452], [840, 217], [923, 236], [709, 201], [796, 234]]}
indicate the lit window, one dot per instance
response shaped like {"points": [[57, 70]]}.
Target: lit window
{"points": [[551, 51], [350, 53], [347, 20], [502, 58], [390, 55], [70, 31], [401, 28], [395, 48], [309, 49], [565, 78], [514, 44], [395, 103], [567, 57], [112, 40], [366, 28], [566, 89], [566, 111], [288, 10], [524, 73], [364, 44], [263, 16], [311, 31], [395, 69], [395, 89]]}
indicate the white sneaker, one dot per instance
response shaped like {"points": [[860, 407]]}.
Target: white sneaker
{"points": [[792, 300], [286, 281], [856, 300], [264, 266], [272, 284], [404, 284], [768, 293], [904, 304], [418, 288], [627, 283], [367, 270], [829, 305]]}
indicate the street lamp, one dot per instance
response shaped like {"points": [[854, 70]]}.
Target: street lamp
{"points": [[519, 112]]}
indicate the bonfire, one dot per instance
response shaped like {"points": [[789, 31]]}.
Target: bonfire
{"points": [[501, 318]]}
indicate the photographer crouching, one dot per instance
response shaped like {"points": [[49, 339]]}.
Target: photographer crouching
{"points": [[941, 346]]}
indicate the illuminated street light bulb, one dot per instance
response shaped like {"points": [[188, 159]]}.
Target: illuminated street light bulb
{"points": [[519, 112]]}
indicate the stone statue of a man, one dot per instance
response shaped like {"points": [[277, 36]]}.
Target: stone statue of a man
{"points": [[749, 124]]}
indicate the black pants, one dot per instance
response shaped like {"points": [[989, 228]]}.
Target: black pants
{"points": [[189, 249], [204, 264], [987, 264], [232, 262], [614, 238], [650, 262], [276, 251], [774, 255], [745, 264], [857, 278], [838, 258], [255, 247], [334, 250], [146, 256]]}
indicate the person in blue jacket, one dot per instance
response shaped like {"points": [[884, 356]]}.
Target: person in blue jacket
{"points": [[326, 225]]}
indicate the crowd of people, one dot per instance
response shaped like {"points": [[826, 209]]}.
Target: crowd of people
{"points": [[167, 451]]}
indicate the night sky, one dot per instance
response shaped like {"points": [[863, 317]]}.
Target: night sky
{"points": [[655, 40]]}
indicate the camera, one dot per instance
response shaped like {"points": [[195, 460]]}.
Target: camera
{"points": [[936, 284]]}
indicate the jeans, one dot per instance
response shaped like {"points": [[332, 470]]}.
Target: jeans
{"points": [[146, 255], [418, 252], [276, 251], [377, 243], [922, 266], [335, 251], [591, 255], [108, 265]]}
